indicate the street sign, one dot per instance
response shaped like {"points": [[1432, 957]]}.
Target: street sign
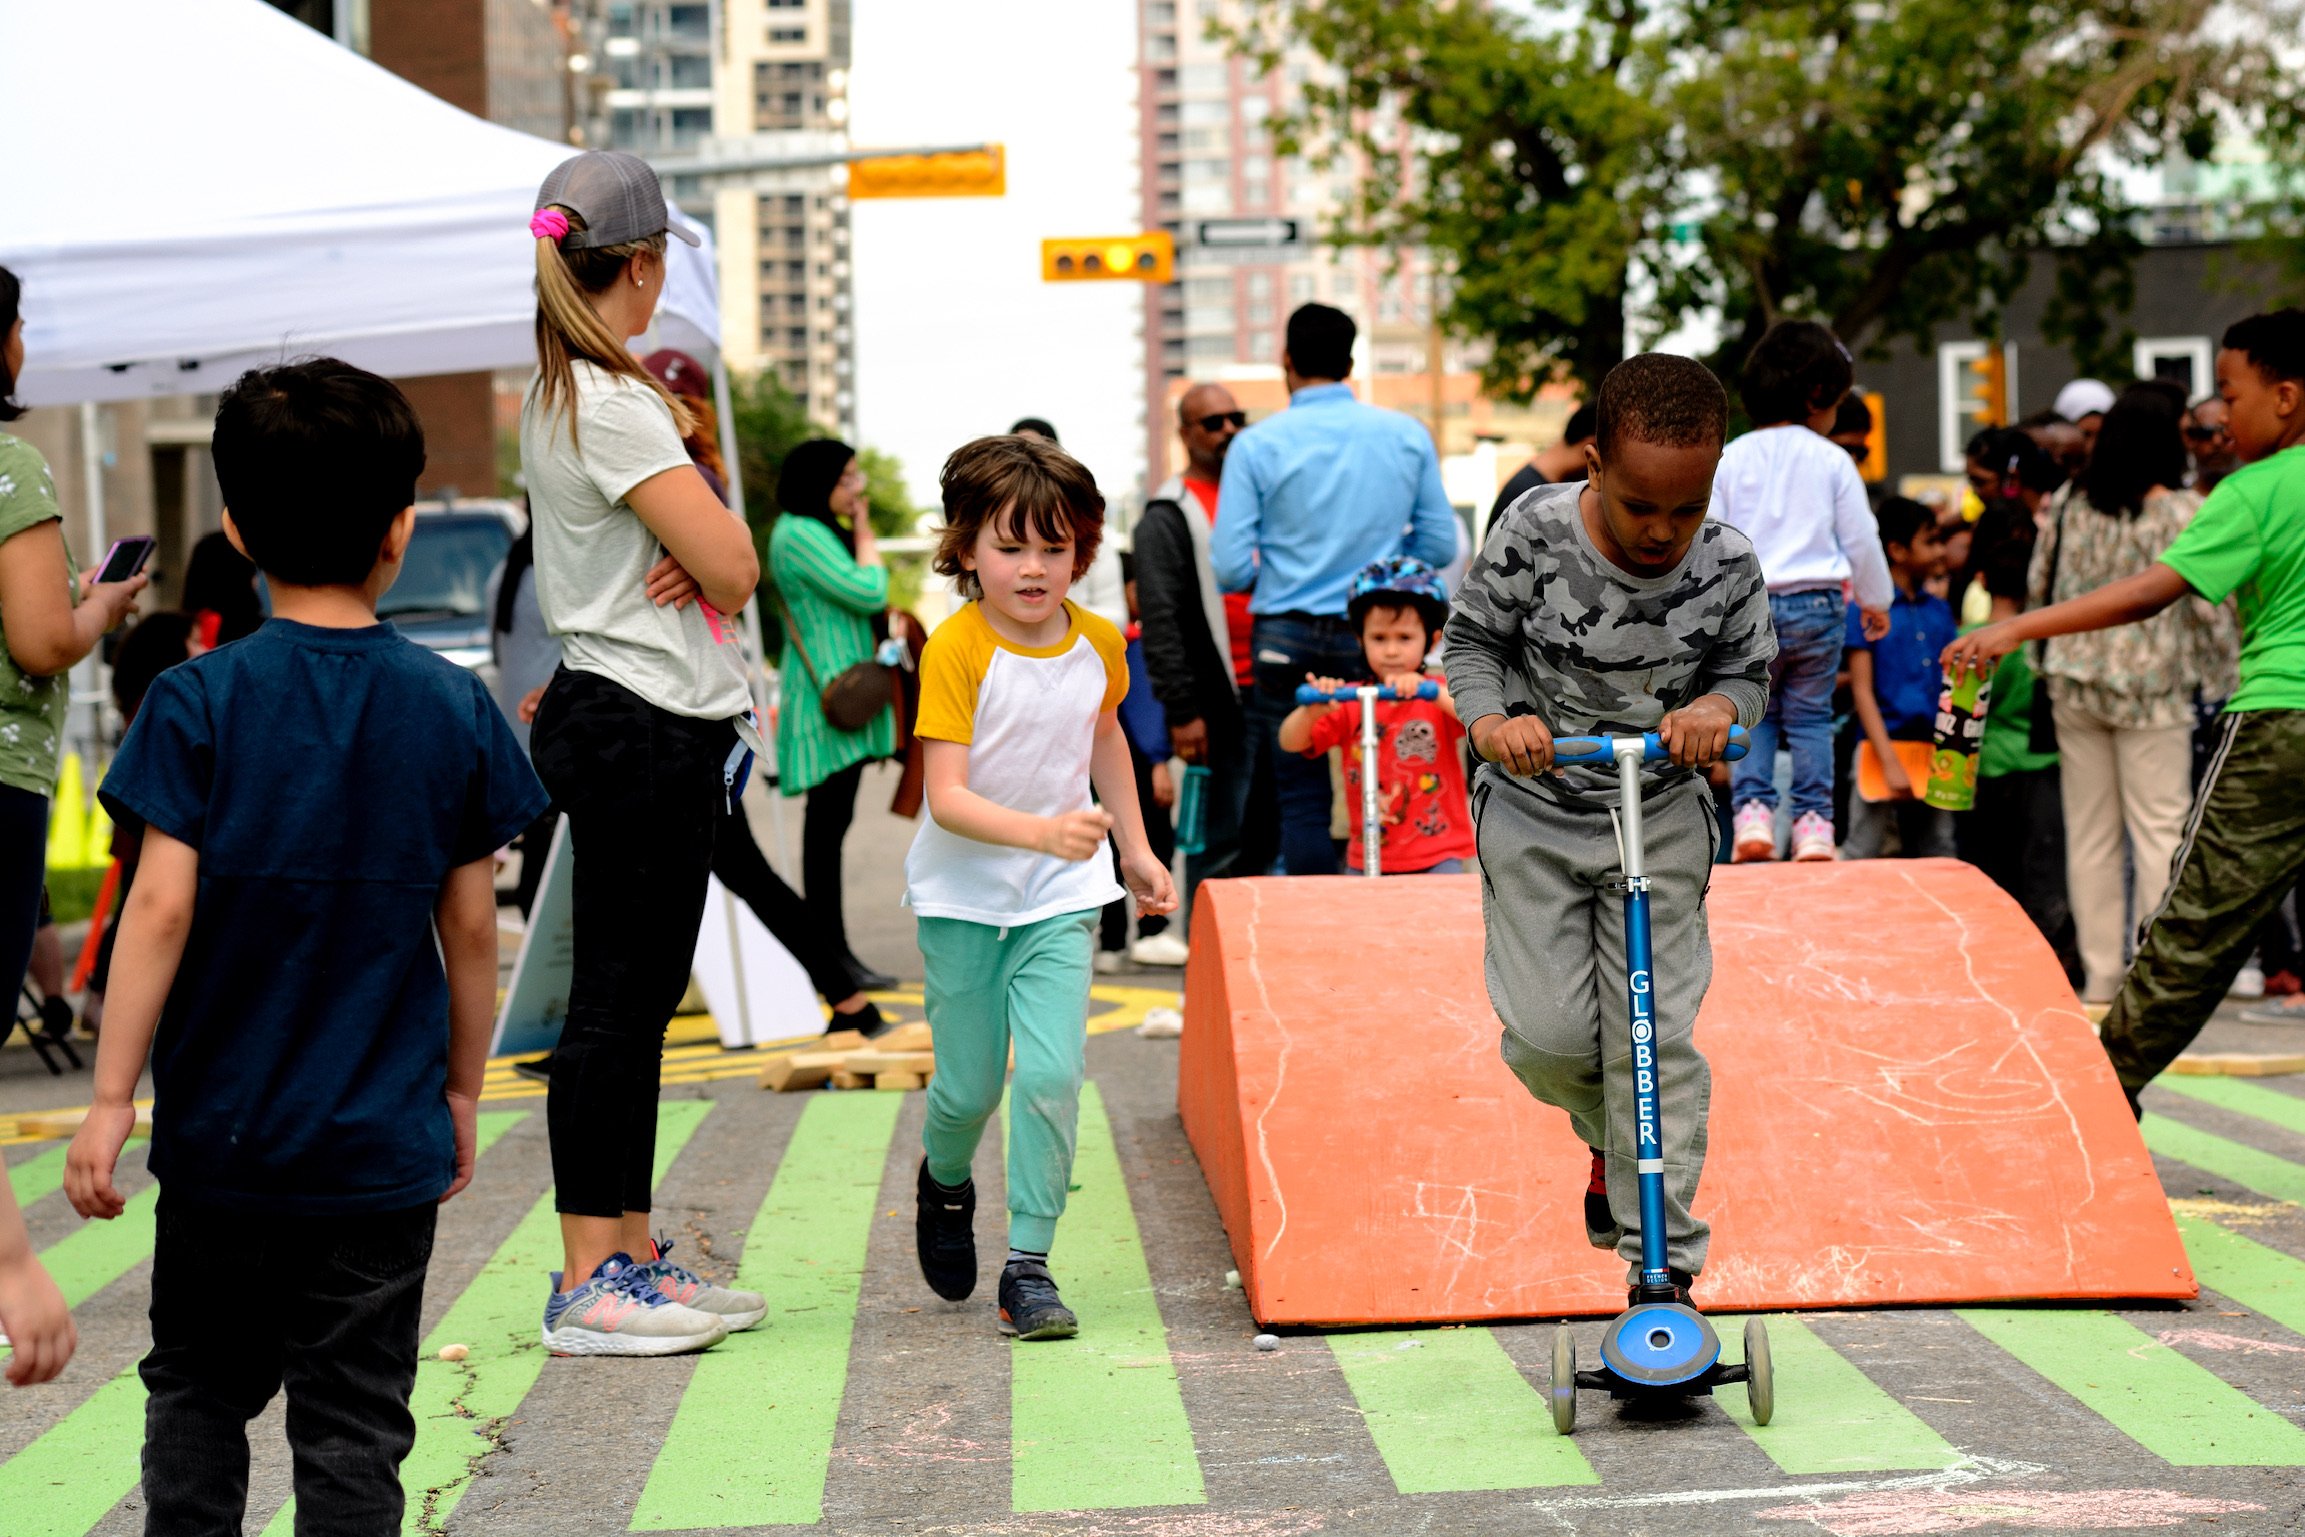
{"points": [[1233, 234]]}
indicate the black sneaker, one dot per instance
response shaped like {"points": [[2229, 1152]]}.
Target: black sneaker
{"points": [[1030, 1309], [868, 980], [944, 1231], [1682, 1281]]}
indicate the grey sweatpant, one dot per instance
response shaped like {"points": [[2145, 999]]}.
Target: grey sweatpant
{"points": [[1553, 902]]}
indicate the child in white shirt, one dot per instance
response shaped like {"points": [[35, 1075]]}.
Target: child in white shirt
{"points": [[1796, 495], [1018, 711]]}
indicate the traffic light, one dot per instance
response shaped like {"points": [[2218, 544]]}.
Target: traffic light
{"points": [[1874, 468], [963, 173], [1147, 258], [1985, 389]]}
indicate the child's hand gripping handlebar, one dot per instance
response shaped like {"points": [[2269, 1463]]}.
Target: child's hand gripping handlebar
{"points": [[1602, 750], [1307, 694]]}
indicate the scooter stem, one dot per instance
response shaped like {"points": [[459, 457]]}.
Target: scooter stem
{"points": [[1648, 1132], [1372, 834]]}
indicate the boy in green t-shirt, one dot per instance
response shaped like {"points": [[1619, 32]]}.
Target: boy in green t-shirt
{"points": [[2244, 844]]}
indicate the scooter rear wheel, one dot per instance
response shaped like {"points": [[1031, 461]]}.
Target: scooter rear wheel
{"points": [[1564, 1385], [1760, 1378]]}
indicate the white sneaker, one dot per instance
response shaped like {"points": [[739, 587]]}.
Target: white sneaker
{"points": [[1162, 949], [1754, 834], [620, 1312], [1110, 962], [2248, 983], [1812, 837], [1162, 1024], [740, 1310]]}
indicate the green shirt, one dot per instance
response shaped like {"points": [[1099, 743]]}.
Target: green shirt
{"points": [[2248, 541], [31, 708], [828, 602], [2008, 745]]}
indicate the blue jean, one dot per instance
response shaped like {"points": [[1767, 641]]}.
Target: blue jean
{"points": [[1810, 628], [1285, 648]]}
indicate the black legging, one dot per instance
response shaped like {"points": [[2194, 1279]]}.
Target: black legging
{"points": [[23, 869], [823, 828], [644, 793], [737, 860], [1161, 835]]}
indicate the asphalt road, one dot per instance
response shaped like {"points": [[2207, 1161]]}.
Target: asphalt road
{"points": [[866, 1405]]}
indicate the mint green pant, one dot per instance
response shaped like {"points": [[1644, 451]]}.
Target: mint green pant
{"points": [[986, 986]]}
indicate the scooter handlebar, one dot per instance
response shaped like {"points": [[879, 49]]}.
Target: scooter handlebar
{"points": [[1602, 750], [1307, 694]]}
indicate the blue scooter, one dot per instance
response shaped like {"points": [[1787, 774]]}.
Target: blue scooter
{"points": [[1658, 1347], [1372, 829]]}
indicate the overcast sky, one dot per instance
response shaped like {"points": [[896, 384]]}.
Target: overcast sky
{"points": [[956, 334]]}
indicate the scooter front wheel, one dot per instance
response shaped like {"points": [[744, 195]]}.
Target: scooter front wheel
{"points": [[1760, 1373], [1564, 1385]]}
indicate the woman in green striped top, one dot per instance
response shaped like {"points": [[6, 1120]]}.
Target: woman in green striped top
{"points": [[830, 585]]}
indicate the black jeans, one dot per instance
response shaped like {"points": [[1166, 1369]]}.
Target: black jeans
{"points": [[337, 1327], [1286, 647], [737, 860], [823, 828], [645, 795], [23, 869]]}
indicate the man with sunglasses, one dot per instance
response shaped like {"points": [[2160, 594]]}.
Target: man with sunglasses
{"points": [[1196, 640], [1312, 495], [2209, 443]]}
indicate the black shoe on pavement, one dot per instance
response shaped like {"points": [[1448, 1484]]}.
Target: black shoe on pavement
{"points": [[868, 1022], [944, 1231], [868, 980], [1030, 1309], [1598, 1218], [1682, 1281]]}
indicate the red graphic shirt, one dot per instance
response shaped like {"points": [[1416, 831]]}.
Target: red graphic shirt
{"points": [[1420, 780]]}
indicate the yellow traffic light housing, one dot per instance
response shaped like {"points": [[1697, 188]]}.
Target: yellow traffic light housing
{"points": [[1147, 258], [965, 173], [1985, 395], [1874, 467]]}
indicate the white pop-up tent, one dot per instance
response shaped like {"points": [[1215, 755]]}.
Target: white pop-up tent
{"points": [[193, 187]]}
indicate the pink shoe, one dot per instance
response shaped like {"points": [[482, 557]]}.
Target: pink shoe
{"points": [[1812, 836], [1755, 837]]}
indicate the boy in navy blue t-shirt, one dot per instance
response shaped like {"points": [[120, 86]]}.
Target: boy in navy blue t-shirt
{"points": [[1893, 686], [309, 956]]}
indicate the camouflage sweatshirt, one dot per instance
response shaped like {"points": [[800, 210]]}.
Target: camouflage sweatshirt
{"points": [[1546, 625]]}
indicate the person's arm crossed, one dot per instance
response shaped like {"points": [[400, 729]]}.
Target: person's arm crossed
{"points": [[466, 919], [153, 929]]}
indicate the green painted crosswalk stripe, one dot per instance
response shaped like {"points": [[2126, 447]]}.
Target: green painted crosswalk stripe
{"points": [[2248, 1167], [1450, 1412], [2171, 1406], [37, 1177], [2286, 1111], [1831, 1417], [76, 1470], [1098, 1423], [498, 1318], [2259, 1278], [94, 1255], [751, 1442]]}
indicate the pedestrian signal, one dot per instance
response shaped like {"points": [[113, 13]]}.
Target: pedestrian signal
{"points": [[1985, 390], [1147, 258], [963, 173]]}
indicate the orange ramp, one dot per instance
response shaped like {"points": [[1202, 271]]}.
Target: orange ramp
{"points": [[1908, 1107]]}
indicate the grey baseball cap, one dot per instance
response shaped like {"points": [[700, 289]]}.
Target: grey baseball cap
{"points": [[618, 195]]}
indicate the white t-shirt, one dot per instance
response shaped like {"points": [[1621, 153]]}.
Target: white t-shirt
{"points": [[1798, 497], [1029, 717], [593, 553]]}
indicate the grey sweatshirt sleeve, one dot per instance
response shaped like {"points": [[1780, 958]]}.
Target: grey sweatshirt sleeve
{"points": [[1737, 668], [1475, 663]]}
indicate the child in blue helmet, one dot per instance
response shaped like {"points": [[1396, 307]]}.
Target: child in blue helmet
{"points": [[1398, 606]]}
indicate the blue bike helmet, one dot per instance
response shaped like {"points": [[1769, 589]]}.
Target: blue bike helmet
{"points": [[1398, 580]]}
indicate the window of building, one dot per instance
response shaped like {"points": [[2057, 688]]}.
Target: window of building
{"points": [[1205, 79], [788, 34], [1209, 290], [1206, 197], [796, 336], [1301, 287], [1160, 14], [1256, 193], [1213, 140], [1210, 317], [1260, 285], [1261, 314], [2185, 360], [1204, 349], [1207, 170], [1256, 167], [1196, 113], [795, 204], [788, 5], [796, 272]]}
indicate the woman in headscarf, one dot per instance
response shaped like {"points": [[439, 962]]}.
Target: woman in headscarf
{"points": [[830, 586]]}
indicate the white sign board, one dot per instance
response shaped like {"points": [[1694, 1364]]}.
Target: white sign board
{"points": [[536, 1004], [757, 992]]}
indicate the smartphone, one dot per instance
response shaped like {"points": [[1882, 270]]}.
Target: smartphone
{"points": [[126, 558]]}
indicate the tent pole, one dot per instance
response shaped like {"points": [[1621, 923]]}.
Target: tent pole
{"points": [[88, 682], [756, 672]]}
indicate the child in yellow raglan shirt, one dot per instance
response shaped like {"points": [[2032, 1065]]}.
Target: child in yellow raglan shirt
{"points": [[1019, 693]]}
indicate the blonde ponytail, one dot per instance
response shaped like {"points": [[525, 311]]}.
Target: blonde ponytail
{"points": [[569, 328]]}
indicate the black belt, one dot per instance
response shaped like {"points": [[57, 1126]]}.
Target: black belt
{"points": [[1299, 616]]}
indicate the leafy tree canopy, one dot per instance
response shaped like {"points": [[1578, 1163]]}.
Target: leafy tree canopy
{"points": [[1591, 167]]}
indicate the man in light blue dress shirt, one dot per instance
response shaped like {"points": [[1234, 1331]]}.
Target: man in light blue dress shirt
{"points": [[1309, 497]]}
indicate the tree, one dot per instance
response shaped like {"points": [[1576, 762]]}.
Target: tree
{"points": [[1880, 165]]}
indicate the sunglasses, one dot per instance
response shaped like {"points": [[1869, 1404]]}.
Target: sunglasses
{"points": [[2204, 434], [1224, 419]]}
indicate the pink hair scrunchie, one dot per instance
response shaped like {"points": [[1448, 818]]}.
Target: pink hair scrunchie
{"points": [[548, 224]]}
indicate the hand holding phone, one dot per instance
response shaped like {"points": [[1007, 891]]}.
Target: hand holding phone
{"points": [[125, 559]]}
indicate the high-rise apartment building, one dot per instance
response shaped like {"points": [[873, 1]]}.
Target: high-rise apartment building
{"points": [[1207, 154]]}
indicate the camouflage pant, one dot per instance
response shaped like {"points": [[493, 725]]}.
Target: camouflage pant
{"points": [[2244, 848]]}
